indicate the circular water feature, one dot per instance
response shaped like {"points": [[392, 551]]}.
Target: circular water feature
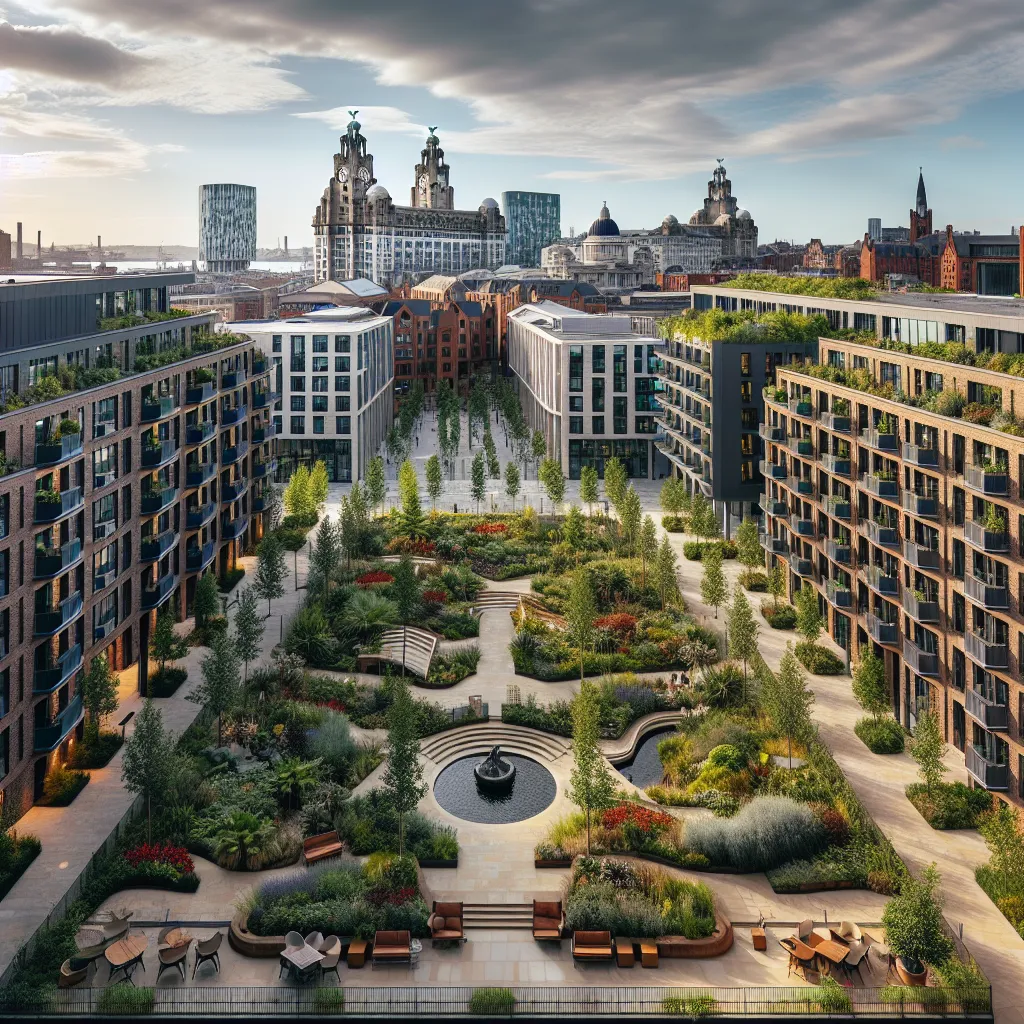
{"points": [[646, 769], [458, 790]]}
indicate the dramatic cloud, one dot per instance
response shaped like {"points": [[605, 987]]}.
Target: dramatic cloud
{"points": [[61, 52]]}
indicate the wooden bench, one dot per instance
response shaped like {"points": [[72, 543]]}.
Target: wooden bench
{"points": [[624, 952], [592, 946], [328, 844], [357, 953]]}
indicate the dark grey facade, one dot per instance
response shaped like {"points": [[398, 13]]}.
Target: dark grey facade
{"points": [[533, 220]]}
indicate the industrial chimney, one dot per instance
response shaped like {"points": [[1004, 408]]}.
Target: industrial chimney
{"points": [[19, 249], [39, 246], [286, 245]]}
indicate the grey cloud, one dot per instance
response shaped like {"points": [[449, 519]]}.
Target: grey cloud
{"points": [[61, 52]]}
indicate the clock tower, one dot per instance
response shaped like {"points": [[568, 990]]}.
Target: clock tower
{"points": [[430, 188], [353, 166]]}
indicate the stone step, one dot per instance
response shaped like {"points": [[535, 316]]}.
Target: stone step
{"points": [[470, 739], [497, 915]]}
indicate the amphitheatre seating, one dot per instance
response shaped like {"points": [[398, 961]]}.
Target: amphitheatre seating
{"points": [[592, 946], [327, 844], [489, 600], [480, 737], [417, 645]]}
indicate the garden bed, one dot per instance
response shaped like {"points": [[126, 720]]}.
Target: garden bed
{"points": [[949, 805], [167, 682], [95, 755], [61, 787], [16, 853]]}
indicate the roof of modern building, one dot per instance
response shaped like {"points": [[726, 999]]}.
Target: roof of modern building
{"points": [[326, 291], [471, 309], [44, 286], [564, 324], [963, 243], [551, 286], [322, 318]]}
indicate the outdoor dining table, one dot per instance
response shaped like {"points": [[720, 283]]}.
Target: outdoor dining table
{"points": [[302, 959], [832, 954], [125, 955]]}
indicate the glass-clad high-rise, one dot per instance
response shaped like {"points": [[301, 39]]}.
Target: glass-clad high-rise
{"points": [[227, 227], [533, 220]]}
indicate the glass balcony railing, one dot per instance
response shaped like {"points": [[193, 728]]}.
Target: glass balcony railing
{"points": [[988, 595], [53, 561], [924, 663], [978, 536], [154, 455], [199, 473], [197, 433], [50, 453], [49, 509], [234, 490], [988, 773], [987, 650], [199, 393], [992, 716], [152, 549], [49, 736], [996, 482], [157, 593], [198, 516], [55, 619], [49, 677], [922, 608], [198, 558], [155, 501], [158, 408]]}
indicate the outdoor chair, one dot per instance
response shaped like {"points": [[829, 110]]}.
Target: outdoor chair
{"points": [[161, 939], [68, 977], [208, 950], [847, 932], [171, 957], [315, 939], [801, 956], [327, 945], [294, 939], [592, 946], [327, 844], [857, 955], [393, 947], [116, 927], [804, 929], [332, 957], [446, 924], [547, 920]]}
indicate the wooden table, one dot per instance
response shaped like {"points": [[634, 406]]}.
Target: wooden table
{"points": [[624, 953], [357, 953], [125, 955], [648, 954], [832, 954]]}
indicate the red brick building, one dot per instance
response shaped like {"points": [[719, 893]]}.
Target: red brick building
{"points": [[670, 282], [983, 264], [911, 259]]}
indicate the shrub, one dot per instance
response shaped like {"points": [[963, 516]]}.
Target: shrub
{"points": [[781, 617], [767, 832], [492, 1000], [327, 1001], [61, 786], [229, 579], [914, 923], [125, 1001], [449, 669], [291, 540], [372, 579], [729, 549], [754, 581], [704, 1005], [96, 754], [880, 735], [175, 857], [165, 683], [673, 524], [16, 853], [949, 805], [332, 743], [819, 660]]}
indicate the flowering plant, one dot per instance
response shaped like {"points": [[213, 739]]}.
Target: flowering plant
{"points": [[491, 528], [618, 622], [642, 818], [435, 596], [371, 579], [176, 857]]}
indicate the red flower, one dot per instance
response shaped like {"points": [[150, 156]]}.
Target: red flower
{"points": [[435, 596], [618, 622], [491, 528], [176, 857], [370, 579], [634, 814], [334, 704]]}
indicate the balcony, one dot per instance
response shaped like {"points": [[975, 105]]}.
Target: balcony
{"points": [[50, 737], [838, 464], [922, 557], [260, 365], [919, 456], [259, 503], [995, 483], [46, 680], [806, 528], [229, 456], [158, 409], [49, 453], [835, 421], [837, 594], [199, 473], [772, 396], [988, 774], [920, 608], [49, 622], [921, 505], [879, 533], [199, 393], [264, 433], [260, 469], [774, 545], [260, 399], [879, 441], [234, 490], [48, 510], [197, 559], [53, 561], [197, 518], [992, 541], [924, 663], [802, 446], [995, 598], [806, 488], [800, 565], [231, 529], [771, 507], [229, 417], [877, 580], [838, 552], [103, 425], [776, 434], [992, 716], [886, 633], [152, 549], [156, 455], [801, 407], [880, 487], [839, 509], [197, 433], [155, 501], [986, 650], [155, 595], [232, 379], [104, 627], [773, 470]]}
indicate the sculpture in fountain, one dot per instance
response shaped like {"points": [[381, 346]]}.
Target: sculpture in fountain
{"points": [[494, 772]]}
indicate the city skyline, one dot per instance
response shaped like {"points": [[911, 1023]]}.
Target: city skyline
{"points": [[123, 103]]}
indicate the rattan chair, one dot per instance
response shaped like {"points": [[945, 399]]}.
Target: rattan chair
{"points": [[174, 956], [208, 950]]}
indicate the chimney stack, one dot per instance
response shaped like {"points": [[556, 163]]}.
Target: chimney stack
{"points": [[286, 245], [99, 241], [20, 251], [39, 246]]}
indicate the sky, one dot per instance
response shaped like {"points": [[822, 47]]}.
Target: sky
{"points": [[113, 112]]}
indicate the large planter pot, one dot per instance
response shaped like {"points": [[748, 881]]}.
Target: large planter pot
{"points": [[911, 977], [243, 941]]}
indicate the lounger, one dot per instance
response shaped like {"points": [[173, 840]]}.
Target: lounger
{"points": [[592, 946]]}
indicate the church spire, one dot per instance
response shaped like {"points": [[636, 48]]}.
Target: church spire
{"points": [[922, 196]]}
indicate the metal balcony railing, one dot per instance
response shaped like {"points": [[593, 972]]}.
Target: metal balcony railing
{"points": [[50, 736], [987, 773], [994, 541], [924, 663], [992, 716], [987, 595], [986, 650], [996, 483], [922, 557], [921, 608]]}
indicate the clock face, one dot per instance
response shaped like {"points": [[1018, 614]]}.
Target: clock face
{"points": [[364, 174], [343, 175]]}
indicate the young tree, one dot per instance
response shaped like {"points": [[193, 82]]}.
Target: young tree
{"points": [[271, 572], [274, 506], [512, 482], [784, 697], [99, 695], [928, 748], [673, 491], [743, 630], [703, 521], [539, 448], [748, 545], [580, 612], [647, 547], [218, 691], [870, 687], [479, 479], [409, 492], [777, 582], [318, 487], [248, 628], [405, 592], [665, 571], [630, 518], [574, 530], [376, 484], [435, 480], [296, 493], [403, 776], [615, 480], [550, 475], [712, 583], [148, 755], [206, 600], [326, 552], [165, 645], [591, 785], [588, 487], [808, 615]]}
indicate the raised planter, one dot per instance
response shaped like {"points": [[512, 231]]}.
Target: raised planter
{"points": [[910, 977], [243, 941], [676, 947], [556, 862], [440, 863], [823, 886]]}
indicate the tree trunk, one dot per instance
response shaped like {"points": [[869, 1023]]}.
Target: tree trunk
{"points": [[588, 831]]}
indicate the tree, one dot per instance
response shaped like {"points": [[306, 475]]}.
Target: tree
{"points": [[479, 479], [615, 480], [550, 475], [435, 480], [574, 530], [712, 583], [870, 687], [703, 521], [777, 582], [786, 701], [648, 547], [512, 482], [271, 572], [165, 645], [588, 487], [298, 495], [665, 571], [411, 518], [580, 612], [673, 491], [538, 447], [218, 691], [206, 600], [273, 506], [928, 749], [404, 590], [743, 630], [591, 786], [493, 465], [809, 623], [148, 755], [403, 776], [376, 484], [318, 487], [326, 552], [914, 926], [99, 694], [748, 545], [630, 518], [248, 628]]}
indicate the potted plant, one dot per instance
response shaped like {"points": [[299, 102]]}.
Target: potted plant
{"points": [[203, 375], [914, 928], [66, 428], [995, 521]]}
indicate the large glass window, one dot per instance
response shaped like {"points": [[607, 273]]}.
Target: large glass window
{"points": [[575, 367], [575, 424], [298, 353], [619, 416], [298, 424], [319, 342], [298, 384], [597, 425], [104, 465], [298, 403], [597, 394], [597, 358], [619, 368]]}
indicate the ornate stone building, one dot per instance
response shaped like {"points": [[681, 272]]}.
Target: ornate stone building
{"points": [[722, 214], [360, 232]]}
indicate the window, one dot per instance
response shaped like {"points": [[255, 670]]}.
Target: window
{"points": [[319, 383], [104, 516], [319, 403], [597, 358], [619, 369], [746, 471], [298, 424], [104, 566], [343, 424], [597, 394], [638, 359], [746, 390], [341, 343], [104, 465], [619, 418], [104, 416], [343, 403], [298, 384], [275, 343], [575, 424], [342, 383], [597, 424], [745, 364], [748, 419], [320, 364], [342, 364], [318, 424], [298, 353], [319, 342], [646, 425], [298, 403], [575, 403], [575, 367]]}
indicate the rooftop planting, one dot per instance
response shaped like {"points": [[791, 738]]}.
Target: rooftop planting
{"points": [[822, 287], [745, 328]]}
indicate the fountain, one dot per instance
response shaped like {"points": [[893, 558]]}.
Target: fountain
{"points": [[494, 772]]}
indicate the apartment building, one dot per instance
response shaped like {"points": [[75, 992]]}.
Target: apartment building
{"points": [[116, 497], [589, 384]]}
